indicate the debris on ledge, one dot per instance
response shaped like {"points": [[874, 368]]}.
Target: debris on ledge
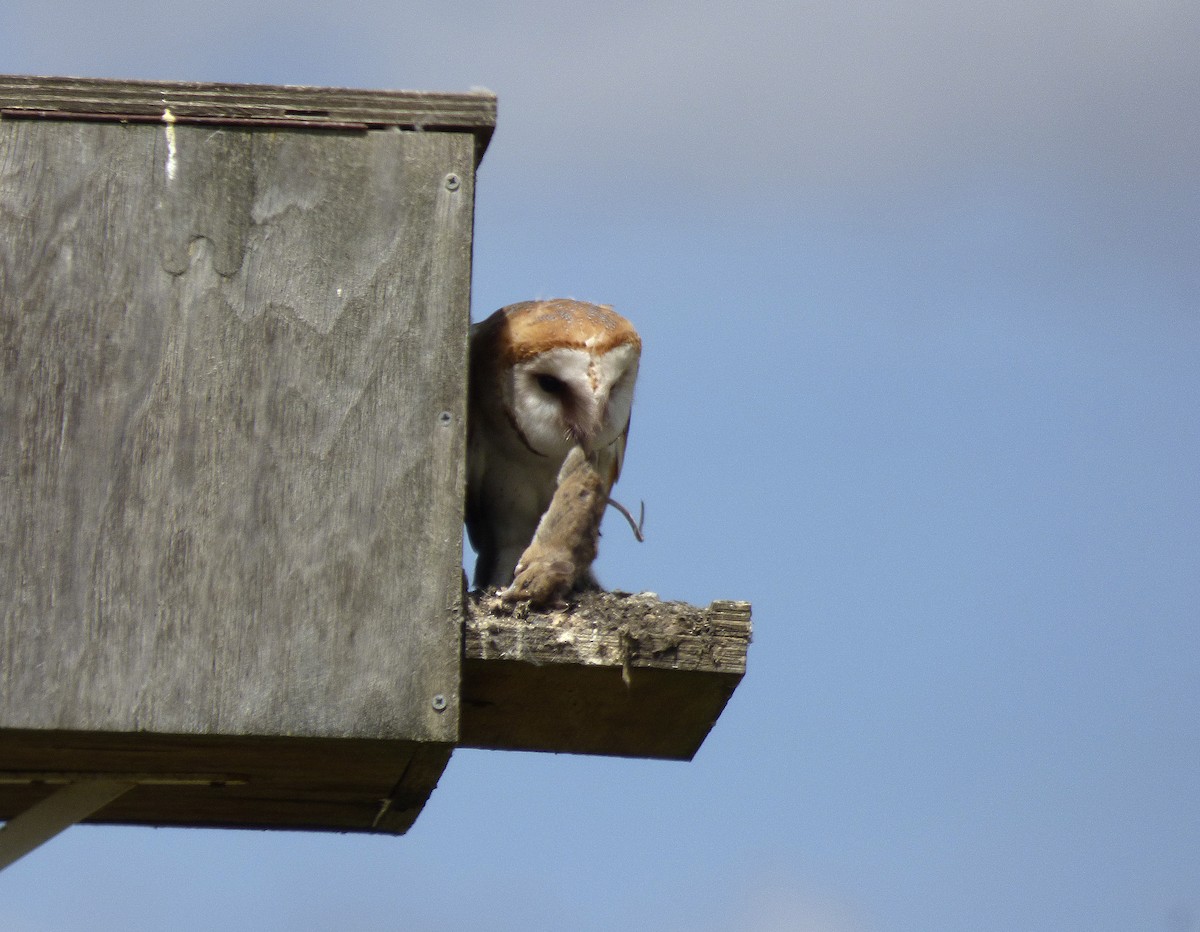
{"points": [[615, 674]]}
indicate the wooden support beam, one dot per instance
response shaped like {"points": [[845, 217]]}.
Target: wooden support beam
{"points": [[617, 674], [229, 782], [57, 812]]}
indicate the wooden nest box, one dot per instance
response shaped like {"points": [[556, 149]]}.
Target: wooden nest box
{"points": [[233, 322]]}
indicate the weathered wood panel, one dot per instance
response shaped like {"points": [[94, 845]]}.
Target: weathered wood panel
{"points": [[99, 98], [618, 674], [231, 439], [232, 407]]}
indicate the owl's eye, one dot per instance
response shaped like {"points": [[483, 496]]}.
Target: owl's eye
{"points": [[550, 384]]}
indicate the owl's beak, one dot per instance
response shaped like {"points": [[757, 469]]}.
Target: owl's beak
{"points": [[582, 434], [585, 426], [586, 420]]}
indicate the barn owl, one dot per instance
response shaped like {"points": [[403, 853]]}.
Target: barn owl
{"points": [[545, 376]]}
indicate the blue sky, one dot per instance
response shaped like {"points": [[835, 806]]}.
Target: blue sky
{"points": [[919, 291]]}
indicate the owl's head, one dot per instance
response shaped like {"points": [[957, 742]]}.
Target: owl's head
{"points": [[571, 369]]}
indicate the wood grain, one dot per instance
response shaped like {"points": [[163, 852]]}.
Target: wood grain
{"points": [[231, 440]]}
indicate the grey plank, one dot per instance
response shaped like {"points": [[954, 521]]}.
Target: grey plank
{"points": [[232, 407]]}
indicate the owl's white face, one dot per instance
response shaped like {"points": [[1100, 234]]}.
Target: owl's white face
{"points": [[567, 396]]}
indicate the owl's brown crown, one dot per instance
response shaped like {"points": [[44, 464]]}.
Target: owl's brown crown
{"points": [[532, 327]]}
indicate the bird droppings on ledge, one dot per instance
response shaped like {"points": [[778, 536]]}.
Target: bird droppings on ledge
{"points": [[616, 629], [614, 673]]}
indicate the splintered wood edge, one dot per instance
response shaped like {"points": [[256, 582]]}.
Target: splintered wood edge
{"points": [[428, 109], [612, 629]]}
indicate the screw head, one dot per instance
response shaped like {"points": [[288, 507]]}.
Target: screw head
{"points": [[439, 703], [453, 181], [445, 418]]}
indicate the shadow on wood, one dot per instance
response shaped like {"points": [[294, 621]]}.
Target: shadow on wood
{"points": [[223, 782]]}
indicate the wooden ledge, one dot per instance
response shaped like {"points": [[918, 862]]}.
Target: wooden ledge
{"points": [[616, 674]]}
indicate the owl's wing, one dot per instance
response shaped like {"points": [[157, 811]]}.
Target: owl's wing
{"points": [[480, 516], [474, 509], [482, 352]]}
